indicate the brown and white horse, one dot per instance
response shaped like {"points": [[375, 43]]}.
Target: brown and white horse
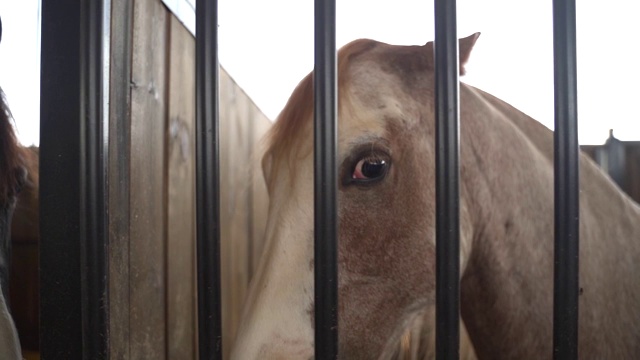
{"points": [[12, 177], [386, 232]]}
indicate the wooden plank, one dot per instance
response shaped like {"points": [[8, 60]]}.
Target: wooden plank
{"points": [[147, 286], [119, 157], [181, 279], [233, 207], [241, 123]]}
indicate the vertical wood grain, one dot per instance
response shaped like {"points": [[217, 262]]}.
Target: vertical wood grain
{"points": [[181, 289], [119, 157], [147, 198], [152, 187], [243, 199]]}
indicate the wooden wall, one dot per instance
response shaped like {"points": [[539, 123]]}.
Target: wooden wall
{"points": [[152, 258], [152, 278], [243, 206]]}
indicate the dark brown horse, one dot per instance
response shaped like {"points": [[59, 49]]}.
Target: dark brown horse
{"points": [[12, 177]]}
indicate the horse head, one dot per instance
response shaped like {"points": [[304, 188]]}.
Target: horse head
{"points": [[386, 208]]}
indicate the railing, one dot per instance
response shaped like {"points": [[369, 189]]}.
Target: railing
{"points": [[74, 305]]}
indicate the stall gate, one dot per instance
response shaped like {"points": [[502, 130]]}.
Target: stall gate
{"points": [[141, 164], [116, 104]]}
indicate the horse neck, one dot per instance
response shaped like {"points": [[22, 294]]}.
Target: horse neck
{"points": [[507, 185], [508, 195]]}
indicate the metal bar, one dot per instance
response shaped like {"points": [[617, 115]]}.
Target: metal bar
{"points": [[93, 147], [566, 187], [208, 181], [325, 182], [73, 267], [447, 181], [60, 307], [73, 274]]}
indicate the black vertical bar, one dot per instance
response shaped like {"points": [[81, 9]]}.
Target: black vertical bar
{"points": [[60, 306], [208, 181], [447, 181], [73, 276], [566, 190], [325, 182], [93, 147]]}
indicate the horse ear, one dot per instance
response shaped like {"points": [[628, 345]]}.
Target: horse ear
{"points": [[465, 45]]}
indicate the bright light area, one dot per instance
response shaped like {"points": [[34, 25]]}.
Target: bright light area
{"points": [[267, 47], [20, 65]]}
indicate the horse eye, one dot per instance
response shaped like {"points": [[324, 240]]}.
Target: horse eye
{"points": [[368, 169]]}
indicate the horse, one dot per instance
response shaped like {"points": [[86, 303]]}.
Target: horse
{"points": [[386, 212], [12, 178], [25, 234]]}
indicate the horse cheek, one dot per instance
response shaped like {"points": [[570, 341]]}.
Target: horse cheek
{"points": [[386, 266]]}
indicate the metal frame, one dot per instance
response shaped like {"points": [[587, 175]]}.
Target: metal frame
{"points": [[208, 181], [325, 181], [74, 297], [73, 247], [566, 183], [447, 111]]}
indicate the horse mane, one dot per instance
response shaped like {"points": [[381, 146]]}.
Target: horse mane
{"points": [[299, 108], [11, 157]]}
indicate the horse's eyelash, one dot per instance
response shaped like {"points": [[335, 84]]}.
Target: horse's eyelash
{"points": [[373, 157]]}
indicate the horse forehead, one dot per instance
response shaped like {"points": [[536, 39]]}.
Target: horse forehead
{"points": [[377, 62], [367, 119], [377, 92], [370, 79], [374, 105]]}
